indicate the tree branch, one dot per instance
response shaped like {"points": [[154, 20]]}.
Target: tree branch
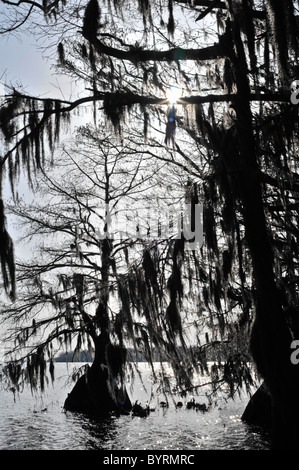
{"points": [[260, 14], [44, 7], [13, 28], [212, 5], [136, 55], [128, 99]]}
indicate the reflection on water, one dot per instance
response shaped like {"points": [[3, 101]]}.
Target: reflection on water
{"points": [[40, 423], [170, 430]]}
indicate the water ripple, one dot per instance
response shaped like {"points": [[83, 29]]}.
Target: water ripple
{"points": [[39, 423]]}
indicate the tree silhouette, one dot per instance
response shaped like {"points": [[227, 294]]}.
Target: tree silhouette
{"points": [[98, 278], [241, 117]]}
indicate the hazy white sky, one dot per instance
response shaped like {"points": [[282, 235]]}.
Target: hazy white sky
{"points": [[21, 63]]}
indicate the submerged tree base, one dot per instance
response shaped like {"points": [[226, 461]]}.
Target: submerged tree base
{"points": [[91, 395], [258, 411]]}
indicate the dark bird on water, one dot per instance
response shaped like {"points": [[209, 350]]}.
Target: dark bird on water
{"points": [[163, 404], [138, 410], [196, 406], [179, 404]]}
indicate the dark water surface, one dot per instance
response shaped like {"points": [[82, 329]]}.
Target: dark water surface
{"points": [[39, 423]]}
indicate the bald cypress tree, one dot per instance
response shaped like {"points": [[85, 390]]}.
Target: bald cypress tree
{"points": [[238, 113], [97, 281]]}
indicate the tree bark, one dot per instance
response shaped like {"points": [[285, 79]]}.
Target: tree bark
{"points": [[100, 390], [271, 337], [94, 393]]}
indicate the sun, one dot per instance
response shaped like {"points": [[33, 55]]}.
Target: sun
{"points": [[173, 94]]}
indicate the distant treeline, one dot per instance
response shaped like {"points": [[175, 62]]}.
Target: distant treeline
{"points": [[71, 356], [133, 356], [86, 356]]}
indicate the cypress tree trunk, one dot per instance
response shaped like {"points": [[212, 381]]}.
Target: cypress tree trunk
{"points": [[258, 412], [96, 393], [271, 338], [100, 390]]}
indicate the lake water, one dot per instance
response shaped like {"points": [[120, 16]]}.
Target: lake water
{"points": [[40, 423]]}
